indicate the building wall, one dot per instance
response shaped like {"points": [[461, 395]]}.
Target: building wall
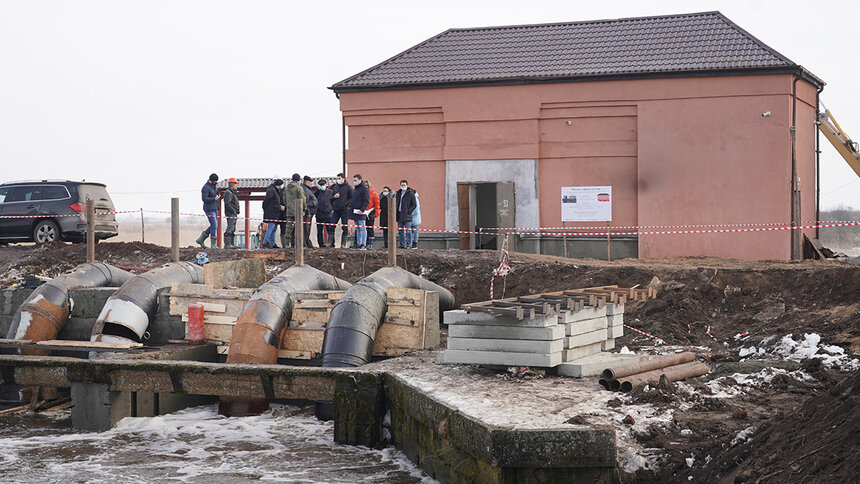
{"points": [[684, 151]]}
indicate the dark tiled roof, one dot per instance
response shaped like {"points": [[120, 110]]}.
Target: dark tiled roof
{"points": [[651, 46]]}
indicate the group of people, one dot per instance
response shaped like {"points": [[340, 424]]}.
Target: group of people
{"points": [[330, 205]]}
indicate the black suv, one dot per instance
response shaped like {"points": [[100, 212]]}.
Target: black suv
{"points": [[50, 210]]}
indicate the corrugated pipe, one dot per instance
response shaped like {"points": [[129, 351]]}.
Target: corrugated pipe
{"points": [[672, 373], [44, 313], [355, 319], [127, 313], [260, 328]]}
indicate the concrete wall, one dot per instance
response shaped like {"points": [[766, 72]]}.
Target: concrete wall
{"points": [[680, 151]]}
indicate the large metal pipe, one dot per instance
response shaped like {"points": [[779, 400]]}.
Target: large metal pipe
{"points": [[672, 373], [260, 327], [44, 313], [355, 319], [610, 374], [127, 313]]}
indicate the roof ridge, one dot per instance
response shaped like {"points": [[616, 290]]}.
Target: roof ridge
{"points": [[584, 22], [755, 39]]}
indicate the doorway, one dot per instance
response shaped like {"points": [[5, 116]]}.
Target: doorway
{"points": [[484, 208]]}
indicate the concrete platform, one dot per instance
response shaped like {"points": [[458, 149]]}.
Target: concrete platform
{"points": [[506, 332], [459, 316], [499, 358], [616, 331], [608, 345], [612, 308], [506, 345], [593, 365], [586, 313]]}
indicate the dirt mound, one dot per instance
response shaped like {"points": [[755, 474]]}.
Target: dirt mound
{"points": [[819, 442]]}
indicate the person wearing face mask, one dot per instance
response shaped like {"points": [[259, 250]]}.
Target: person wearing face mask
{"points": [[340, 202], [359, 204], [405, 206], [323, 211], [384, 195], [211, 202]]}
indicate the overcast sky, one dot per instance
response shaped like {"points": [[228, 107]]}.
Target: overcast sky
{"points": [[151, 96]]}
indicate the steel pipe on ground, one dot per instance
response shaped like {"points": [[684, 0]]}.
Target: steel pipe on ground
{"points": [[44, 313], [618, 372], [260, 327], [672, 373], [126, 315]]}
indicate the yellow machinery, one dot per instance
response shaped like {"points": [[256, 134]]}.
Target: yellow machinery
{"points": [[843, 144]]}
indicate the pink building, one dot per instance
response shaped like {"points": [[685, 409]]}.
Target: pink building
{"points": [[689, 120]]}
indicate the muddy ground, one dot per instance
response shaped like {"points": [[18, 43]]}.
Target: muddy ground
{"points": [[766, 412]]}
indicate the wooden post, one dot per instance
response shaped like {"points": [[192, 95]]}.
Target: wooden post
{"points": [[392, 231], [299, 233], [608, 252], [142, 228], [248, 223], [174, 229], [91, 232]]}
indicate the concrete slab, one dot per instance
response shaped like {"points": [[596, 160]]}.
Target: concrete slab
{"points": [[236, 273], [88, 303], [585, 339], [460, 316], [615, 331], [612, 308], [512, 345], [583, 314], [547, 360], [593, 365], [587, 326], [574, 353], [608, 344], [614, 319], [506, 332]]}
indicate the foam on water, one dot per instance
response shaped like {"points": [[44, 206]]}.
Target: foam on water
{"points": [[284, 444]]}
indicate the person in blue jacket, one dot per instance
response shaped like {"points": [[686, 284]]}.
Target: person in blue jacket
{"points": [[211, 201]]}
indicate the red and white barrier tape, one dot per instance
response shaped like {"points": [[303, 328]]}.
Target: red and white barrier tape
{"points": [[659, 341], [503, 270]]}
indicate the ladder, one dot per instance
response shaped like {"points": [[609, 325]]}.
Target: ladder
{"points": [[844, 145]]}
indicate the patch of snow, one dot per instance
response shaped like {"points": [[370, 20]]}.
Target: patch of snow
{"points": [[686, 432], [810, 346], [743, 436], [690, 460], [625, 351]]}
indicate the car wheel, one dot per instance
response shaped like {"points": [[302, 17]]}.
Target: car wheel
{"points": [[46, 232]]}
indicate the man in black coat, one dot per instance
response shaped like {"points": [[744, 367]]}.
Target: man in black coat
{"points": [[359, 203], [310, 207], [405, 206], [272, 208], [323, 212], [384, 195], [340, 203]]}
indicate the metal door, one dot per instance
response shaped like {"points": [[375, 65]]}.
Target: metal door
{"points": [[505, 211]]}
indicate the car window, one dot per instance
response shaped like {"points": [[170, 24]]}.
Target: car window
{"points": [[3, 192], [54, 192], [25, 194]]}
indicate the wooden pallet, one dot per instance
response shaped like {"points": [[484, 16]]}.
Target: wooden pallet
{"points": [[551, 303]]}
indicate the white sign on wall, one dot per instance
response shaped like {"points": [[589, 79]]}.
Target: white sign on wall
{"points": [[586, 204]]}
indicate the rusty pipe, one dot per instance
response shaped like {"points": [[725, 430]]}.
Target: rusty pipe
{"points": [[44, 313], [618, 372], [260, 327], [127, 313], [672, 373]]}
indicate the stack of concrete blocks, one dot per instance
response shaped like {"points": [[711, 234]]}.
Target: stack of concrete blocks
{"points": [[542, 341], [485, 339]]}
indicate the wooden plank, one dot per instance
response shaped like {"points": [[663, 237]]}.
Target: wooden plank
{"points": [[394, 340], [405, 296], [263, 255], [431, 333], [228, 307], [214, 307], [303, 340], [188, 290], [16, 341], [296, 355], [213, 319], [89, 344]]}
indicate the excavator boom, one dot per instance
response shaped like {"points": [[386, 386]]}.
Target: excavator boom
{"points": [[843, 144]]}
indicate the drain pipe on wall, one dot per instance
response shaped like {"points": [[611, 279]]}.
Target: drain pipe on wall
{"points": [[44, 313], [127, 313], [260, 327], [817, 163], [795, 194]]}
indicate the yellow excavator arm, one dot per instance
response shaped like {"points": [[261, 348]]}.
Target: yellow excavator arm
{"points": [[843, 144]]}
